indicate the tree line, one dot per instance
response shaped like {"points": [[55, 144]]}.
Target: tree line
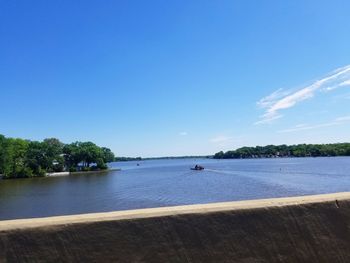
{"points": [[127, 159], [21, 158], [300, 150]]}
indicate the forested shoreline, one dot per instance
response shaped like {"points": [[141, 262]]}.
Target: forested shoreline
{"points": [[299, 150], [21, 158], [127, 159]]}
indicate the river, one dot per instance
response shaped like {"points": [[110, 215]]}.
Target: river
{"points": [[156, 183]]}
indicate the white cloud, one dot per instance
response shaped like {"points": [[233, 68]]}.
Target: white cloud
{"points": [[345, 83], [272, 98], [183, 133], [343, 119], [340, 85], [303, 127], [268, 118], [281, 100]]}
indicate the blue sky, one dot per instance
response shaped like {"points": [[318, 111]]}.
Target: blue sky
{"points": [[156, 78]]}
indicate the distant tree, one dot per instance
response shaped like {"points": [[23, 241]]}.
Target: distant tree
{"points": [[219, 155], [127, 159], [300, 150], [108, 155]]}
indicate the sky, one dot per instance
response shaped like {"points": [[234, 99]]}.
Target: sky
{"points": [[172, 78]]}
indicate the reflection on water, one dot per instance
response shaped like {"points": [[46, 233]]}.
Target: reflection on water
{"points": [[158, 183]]}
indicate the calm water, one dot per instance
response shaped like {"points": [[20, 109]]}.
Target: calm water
{"points": [[170, 182]]}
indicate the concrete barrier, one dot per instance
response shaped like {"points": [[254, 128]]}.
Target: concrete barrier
{"points": [[296, 229]]}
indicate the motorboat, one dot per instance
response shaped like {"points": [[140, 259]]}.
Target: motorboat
{"points": [[197, 168]]}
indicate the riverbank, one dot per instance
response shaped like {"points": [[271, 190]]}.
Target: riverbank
{"points": [[72, 173], [294, 229], [81, 172]]}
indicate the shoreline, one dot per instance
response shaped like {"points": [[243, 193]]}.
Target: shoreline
{"points": [[81, 172], [60, 174], [282, 157], [12, 224]]}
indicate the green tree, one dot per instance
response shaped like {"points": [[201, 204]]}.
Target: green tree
{"points": [[219, 155], [72, 155], [2, 153], [90, 153], [300, 150], [23, 158], [53, 152], [35, 158], [108, 155], [15, 157]]}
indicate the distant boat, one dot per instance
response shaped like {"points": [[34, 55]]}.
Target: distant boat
{"points": [[197, 168]]}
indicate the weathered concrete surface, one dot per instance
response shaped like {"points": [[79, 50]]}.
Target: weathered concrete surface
{"points": [[300, 229]]}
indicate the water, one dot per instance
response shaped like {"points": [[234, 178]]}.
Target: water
{"points": [[157, 183]]}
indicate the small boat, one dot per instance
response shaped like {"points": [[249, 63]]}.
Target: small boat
{"points": [[197, 168]]}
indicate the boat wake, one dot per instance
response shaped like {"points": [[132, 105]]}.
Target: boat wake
{"points": [[221, 171]]}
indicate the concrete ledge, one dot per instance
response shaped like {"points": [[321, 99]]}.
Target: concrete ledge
{"points": [[294, 229], [168, 211]]}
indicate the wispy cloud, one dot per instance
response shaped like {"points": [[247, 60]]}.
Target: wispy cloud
{"points": [[343, 119], [183, 133], [303, 127], [269, 100], [340, 85], [345, 83], [281, 100]]}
